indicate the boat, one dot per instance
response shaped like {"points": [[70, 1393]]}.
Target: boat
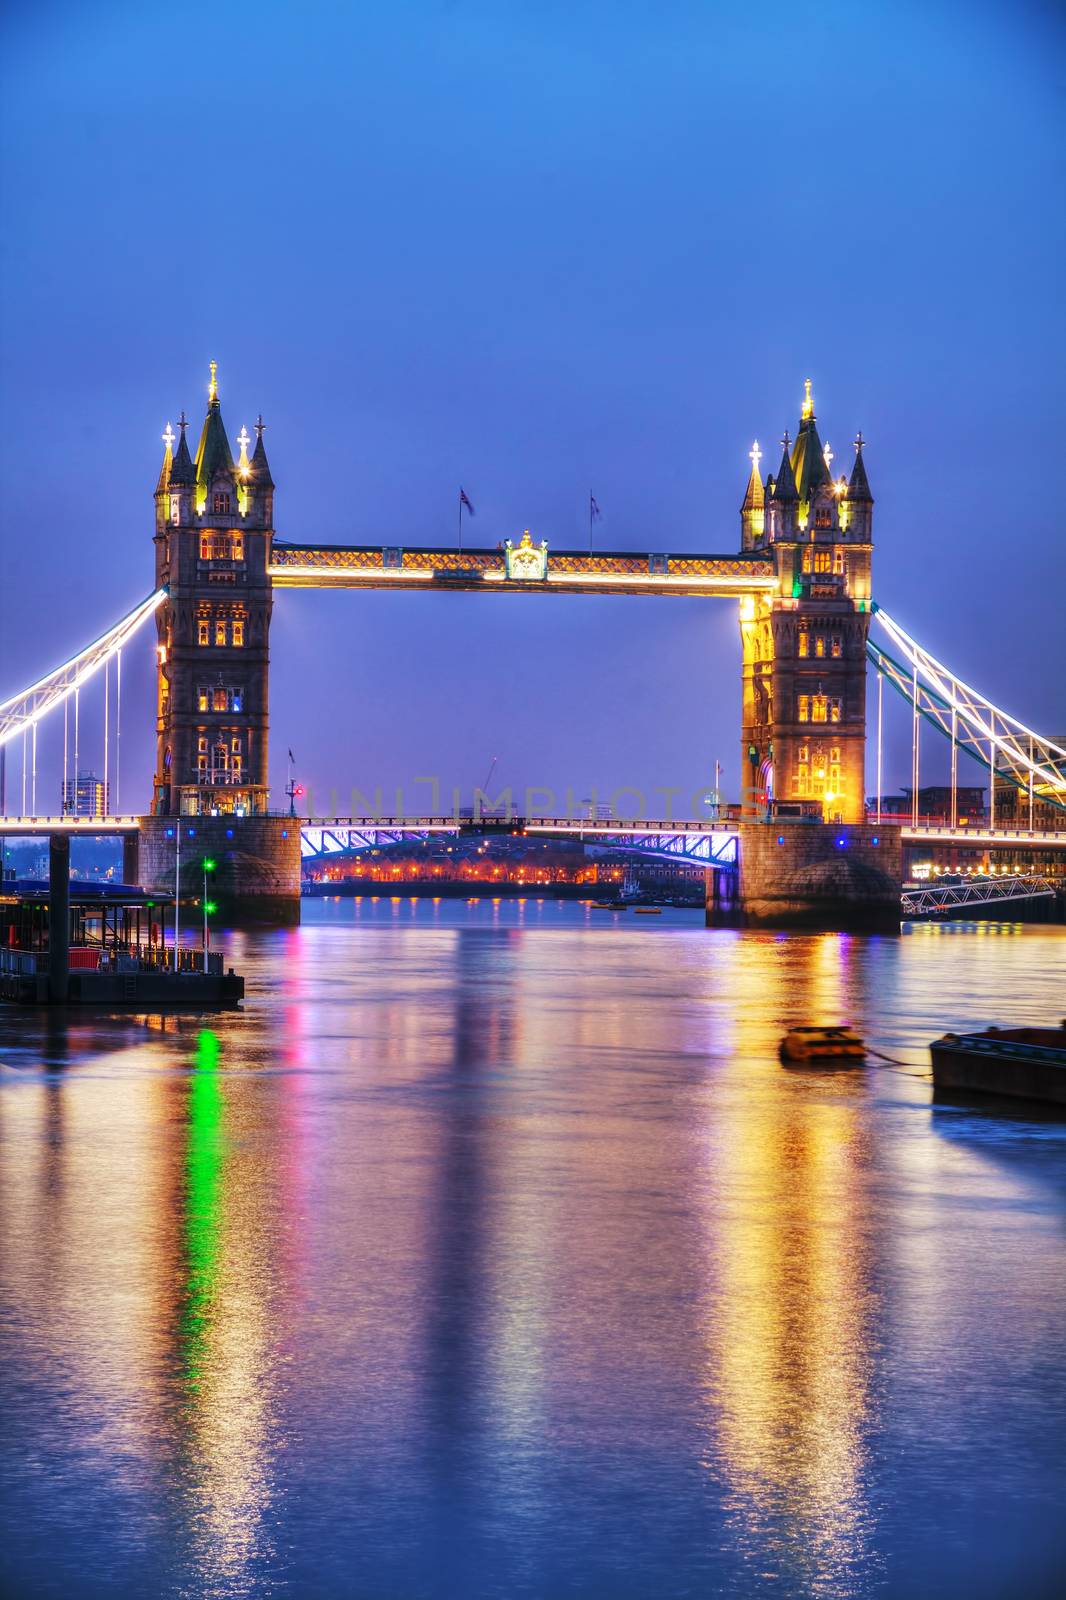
{"points": [[1017, 1063], [814, 1047], [648, 911], [607, 905]]}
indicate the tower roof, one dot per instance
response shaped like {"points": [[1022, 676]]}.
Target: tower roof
{"points": [[164, 471], [213, 454], [785, 483], [260, 474], [754, 495], [182, 470], [859, 483], [808, 457]]}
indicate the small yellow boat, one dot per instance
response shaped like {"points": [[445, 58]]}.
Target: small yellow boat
{"points": [[816, 1047], [607, 905], [648, 911]]}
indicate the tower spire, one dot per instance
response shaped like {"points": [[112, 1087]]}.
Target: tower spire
{"points": [[212, 388], [859, 483], [807, 409]]}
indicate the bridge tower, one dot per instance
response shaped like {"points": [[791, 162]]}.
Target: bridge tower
{"points": [[213, 535], [804, 647]]}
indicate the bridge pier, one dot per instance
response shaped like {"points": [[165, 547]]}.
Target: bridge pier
{"points": [[58, 918], [844, 877], [256, 874]]}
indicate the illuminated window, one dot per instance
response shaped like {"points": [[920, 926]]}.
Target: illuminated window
{"points": [[219, 698], [201, 765], [834, 779], [222, 504], [238, 632], [823, 517], [201, 699], [838, 559], [236, 696], [221, 547], [203, 631], [175, 508], [819, 644], [834, 711], [220, 633], [803, 708], [804, 642], [804, 752], [201, 744], [806, 561], [819, 707], [823, 561], [836, 646], [236, 763], [834, 753]]}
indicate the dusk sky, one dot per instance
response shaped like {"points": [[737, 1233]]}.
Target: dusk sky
{"points": [[534, 250]]}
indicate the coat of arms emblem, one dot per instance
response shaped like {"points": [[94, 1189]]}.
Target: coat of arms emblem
{"points": [[526, 560]]}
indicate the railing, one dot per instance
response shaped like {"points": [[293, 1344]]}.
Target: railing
{"points": [[129, 960], [948, 896]]}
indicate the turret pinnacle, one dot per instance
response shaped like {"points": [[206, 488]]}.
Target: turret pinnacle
{"points": [[164, 471], [213, 454], [809, 468], [260, 473], [859, 484], [182, 470], [785, 483], [754, 495]]}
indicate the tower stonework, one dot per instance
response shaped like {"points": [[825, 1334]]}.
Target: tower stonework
{"points": [[214, 530], [803, 724], [213, 536]]}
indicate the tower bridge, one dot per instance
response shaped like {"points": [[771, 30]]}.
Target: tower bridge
{"points": [[801, 576]]}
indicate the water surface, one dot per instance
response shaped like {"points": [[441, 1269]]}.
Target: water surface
{"points": [[491, 1253]]}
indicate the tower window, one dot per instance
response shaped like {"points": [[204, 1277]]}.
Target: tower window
{"points": [[238, 631], [221, 504], [220, 633], [823, 561], [803, 708], [203, 631], [834, 711], [838, 559], [819, 707], [823, 517], [819, 644], [804, 642], [836, 646], [175, 509]]}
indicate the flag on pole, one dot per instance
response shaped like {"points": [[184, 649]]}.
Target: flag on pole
{"points": [[464, 500], [594, 511], [292, 758]]}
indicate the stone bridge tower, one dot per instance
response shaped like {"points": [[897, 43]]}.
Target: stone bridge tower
{"points": [[804, 666], [214, 531], [213, 534]]}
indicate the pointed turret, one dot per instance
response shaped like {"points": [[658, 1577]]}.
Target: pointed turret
{"points": [[214, 459], [809, 468], [785, 482], [168, 461], [859, 483], [182, 471], [260, 473], [752, 514]]}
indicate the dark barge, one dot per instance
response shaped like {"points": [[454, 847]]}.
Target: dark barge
{"points": [[1015, 1063], [114, 954]]}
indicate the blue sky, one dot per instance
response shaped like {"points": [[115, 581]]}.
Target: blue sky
{"points": [[534, 249]]}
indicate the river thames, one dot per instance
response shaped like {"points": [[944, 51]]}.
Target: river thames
{"points": [[490, 1252]]}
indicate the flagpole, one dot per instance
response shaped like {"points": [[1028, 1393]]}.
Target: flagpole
{"points": [[590, 522], [460, 519]]}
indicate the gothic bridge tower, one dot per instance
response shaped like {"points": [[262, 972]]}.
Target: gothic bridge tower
{"points": [[214, 529], [213, 532], [804, 670]]}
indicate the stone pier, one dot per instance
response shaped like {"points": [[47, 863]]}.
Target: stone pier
{"points": [[841, 876], [256, 878]]}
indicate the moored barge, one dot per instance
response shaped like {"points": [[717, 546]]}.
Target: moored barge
{"points": [[114, 952], [1016, 1063]]}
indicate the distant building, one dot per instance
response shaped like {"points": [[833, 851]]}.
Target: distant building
{"points": [[1048, 802], [934, 800], [86, 796]]}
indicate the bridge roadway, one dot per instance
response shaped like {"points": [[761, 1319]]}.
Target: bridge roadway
{"points": [[523, 568], [579, 827]]}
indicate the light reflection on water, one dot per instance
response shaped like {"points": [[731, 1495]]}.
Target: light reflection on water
{"points": [[491, 1252]]}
